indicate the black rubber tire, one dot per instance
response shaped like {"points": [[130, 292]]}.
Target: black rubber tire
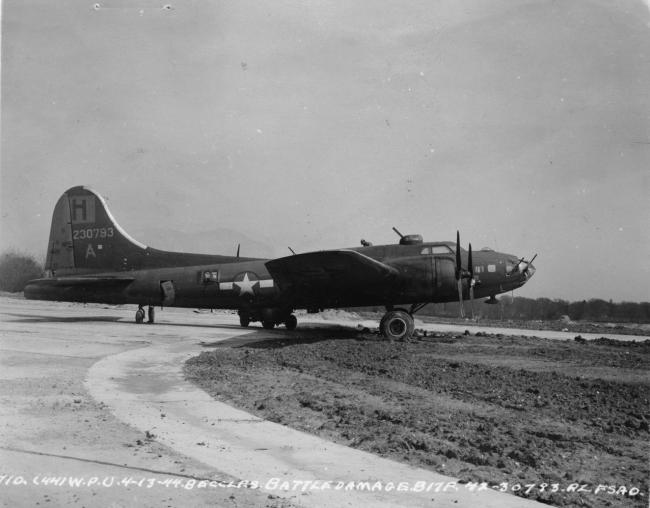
{"points": [[291, 322], [383, 320], [244, 321], [397, 325], [139, 315], [268, 325], [151, 314]]}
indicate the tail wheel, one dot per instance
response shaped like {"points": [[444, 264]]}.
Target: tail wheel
{"points": [[291, 322], [397, 325], [268, 325], [139, 315]]}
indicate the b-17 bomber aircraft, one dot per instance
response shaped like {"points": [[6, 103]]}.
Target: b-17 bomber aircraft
{"points": [[90, 258]]}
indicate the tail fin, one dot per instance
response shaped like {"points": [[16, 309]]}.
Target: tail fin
{"points": [[85, 238]]}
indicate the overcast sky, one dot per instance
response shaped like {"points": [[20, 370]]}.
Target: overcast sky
{"points": [[524, 124]]}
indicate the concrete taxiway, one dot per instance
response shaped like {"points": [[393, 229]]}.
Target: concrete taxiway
{"points": [[95, 411]]}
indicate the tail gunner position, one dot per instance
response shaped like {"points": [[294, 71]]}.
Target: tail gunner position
{"points": [[90, 258]]}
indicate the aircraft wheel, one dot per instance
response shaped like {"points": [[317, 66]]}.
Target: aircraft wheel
{"points": [[268, 325], [389, 310], [291, 322], [244, 321], [139, 315], [383, 320], [397, 325], [151, 314]]}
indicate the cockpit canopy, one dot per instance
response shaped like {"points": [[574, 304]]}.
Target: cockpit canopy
{"points": [[439, 249]]}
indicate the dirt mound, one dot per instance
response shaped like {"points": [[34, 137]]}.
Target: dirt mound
{"points": [[495, 409]]}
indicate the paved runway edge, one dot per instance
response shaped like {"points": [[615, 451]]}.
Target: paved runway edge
{"points": [[146, 388]]}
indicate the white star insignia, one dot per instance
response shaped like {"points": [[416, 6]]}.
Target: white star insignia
{"points": [[245, 285]]}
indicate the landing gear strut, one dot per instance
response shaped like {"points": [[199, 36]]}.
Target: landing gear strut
{"points": [[139, 315], [397, 324], [291, 322], [244, 320]]}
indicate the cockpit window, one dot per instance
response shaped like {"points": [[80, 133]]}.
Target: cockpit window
{"points": [[438, 249], [442, 249]]}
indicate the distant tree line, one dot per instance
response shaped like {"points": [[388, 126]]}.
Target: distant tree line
{"points": [[16, 269], [545, 309]]}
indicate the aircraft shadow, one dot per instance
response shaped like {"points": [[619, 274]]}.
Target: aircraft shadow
{"points": [[256, 338], [27, 318], [30, 318], [197, 325], [274, 339]]}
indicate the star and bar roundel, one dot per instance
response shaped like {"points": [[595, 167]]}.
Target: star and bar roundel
{"points": [[246, 284]]}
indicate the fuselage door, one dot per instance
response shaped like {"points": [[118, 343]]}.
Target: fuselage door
{"points": [[168, 292]]}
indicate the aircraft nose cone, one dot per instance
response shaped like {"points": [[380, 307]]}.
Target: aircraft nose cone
{"points": [[531, 271]]}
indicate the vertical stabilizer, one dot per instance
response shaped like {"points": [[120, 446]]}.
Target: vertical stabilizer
{"points": [[84, 237], [60, 254]]}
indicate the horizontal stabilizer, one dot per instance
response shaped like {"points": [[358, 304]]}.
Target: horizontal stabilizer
{"points": [[78, 289], [83, 281]]}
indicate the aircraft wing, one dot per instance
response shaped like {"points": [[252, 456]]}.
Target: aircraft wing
{"points": [[324, 271]]}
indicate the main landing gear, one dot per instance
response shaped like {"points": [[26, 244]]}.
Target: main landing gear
{"points": [[291, 322], [398, 324], [139, 314], [269, 318]]}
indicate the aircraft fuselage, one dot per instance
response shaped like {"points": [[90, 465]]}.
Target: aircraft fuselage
{"points": [[90, 258], [421, 277]]}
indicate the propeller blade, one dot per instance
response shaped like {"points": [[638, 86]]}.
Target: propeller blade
{"points": [[460, 297], [531, 261], [470, 264], [471, 280], [459, 278], [458, 266]]}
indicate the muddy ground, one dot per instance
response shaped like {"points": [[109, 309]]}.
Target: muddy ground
{"points": [[496, 409]]}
